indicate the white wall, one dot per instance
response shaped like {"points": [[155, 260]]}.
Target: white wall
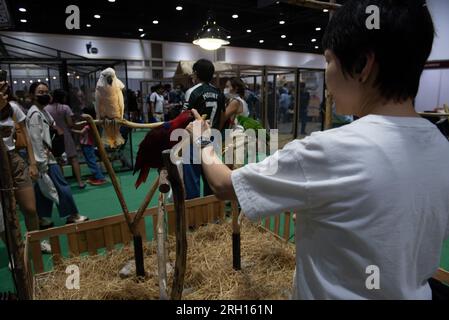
{"points": [[274, 58], [440, 14], [434, 87], [132, 49]]}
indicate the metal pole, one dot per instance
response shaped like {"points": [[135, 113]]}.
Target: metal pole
{"points": [[264, 95], [329, 100], [11, 84], [129, 117], [297, 103]]}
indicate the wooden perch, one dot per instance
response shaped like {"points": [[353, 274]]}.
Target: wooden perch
{"points": [[431, 114], [177, 186], [124, 123], [236, 256], [12, 227], [315, 4], [104, 157], [143, 207], [161, 253], [164, 185]]}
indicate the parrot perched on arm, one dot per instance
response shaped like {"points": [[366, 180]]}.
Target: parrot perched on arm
{"points": [[155, 142], [110, 106]]}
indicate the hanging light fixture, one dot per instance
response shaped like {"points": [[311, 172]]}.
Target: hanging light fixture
{"points": [[211, 36]]}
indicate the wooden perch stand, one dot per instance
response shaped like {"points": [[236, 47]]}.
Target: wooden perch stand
{"points": [[315, 4], [12, 227]]}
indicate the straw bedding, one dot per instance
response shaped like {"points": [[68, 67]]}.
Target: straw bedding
{"points": [[268, 265]]}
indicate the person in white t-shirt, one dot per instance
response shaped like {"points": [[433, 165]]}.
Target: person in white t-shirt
{"points": [[157, 103], [23, 174], [371, 196]]}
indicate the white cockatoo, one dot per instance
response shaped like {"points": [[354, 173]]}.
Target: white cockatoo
{"points": [[110, 106]]}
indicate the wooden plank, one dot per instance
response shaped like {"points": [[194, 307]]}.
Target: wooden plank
{"points": [[100, 223], [154, 219], [99, 238], [28, 269], [56, 250], [126, 235], [287, 219], [82, 242], [205, 208], [72, 240], [142, 230], [36, 255], [211, 215], [196, 213], [171, 222], [108, 238], [267, 223], [277, 223], [117, 233], [91, 242], [222, 211]]}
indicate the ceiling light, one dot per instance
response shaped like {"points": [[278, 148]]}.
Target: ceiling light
{"points": [[54, 78], [77, 77], [46, 79], [325, 10], [155, 22], [88, 25], [261, 41], [249, 30], [228, 37], [313, 40], [140, 30], [22, 10], [282, 22], [112, 1], [318, 29], [97, 16], [211, 36], [31, 81], [316, 47], [283, 36], [290, 44], [23, 20], [235, 16], [179, 8], [38, 80], [15, 82], [23, 81], [143, 35], [68, 74]]}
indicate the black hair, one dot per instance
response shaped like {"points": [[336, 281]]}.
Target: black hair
{"points": [[34, 86], [204, 70], [401, 46], [59, 96], [238, 85]]}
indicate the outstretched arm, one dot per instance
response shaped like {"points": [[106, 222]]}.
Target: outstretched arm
{"points": [[218, 174]]}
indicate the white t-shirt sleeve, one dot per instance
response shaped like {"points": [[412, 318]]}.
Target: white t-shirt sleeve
{"points": [[18, 113], [274, 185]]}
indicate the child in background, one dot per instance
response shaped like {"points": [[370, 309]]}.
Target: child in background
{"points": [[88, 148]]}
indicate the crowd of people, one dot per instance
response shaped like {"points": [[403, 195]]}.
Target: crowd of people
{"points": [[40, 134]]}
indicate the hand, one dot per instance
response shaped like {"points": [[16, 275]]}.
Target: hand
{"points": [[34, 172], [199, 127]]}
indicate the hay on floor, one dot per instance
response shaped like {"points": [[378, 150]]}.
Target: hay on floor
{"points": [[268, 265]]}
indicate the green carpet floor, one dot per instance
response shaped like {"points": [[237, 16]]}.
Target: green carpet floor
{"points": [[98, 202]]}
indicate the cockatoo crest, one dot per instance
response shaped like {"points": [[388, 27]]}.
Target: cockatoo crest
{"points": [[109, 78]]}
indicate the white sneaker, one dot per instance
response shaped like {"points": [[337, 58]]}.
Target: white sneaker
{"points": [[45, 247]]}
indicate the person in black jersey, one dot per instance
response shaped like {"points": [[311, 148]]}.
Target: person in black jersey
{"points": [[207, 100]]}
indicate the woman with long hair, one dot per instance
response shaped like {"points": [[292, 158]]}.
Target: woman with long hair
{"points": [[39, 123]]}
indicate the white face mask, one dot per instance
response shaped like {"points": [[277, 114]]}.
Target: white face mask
{"points": [[227, 91]]}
